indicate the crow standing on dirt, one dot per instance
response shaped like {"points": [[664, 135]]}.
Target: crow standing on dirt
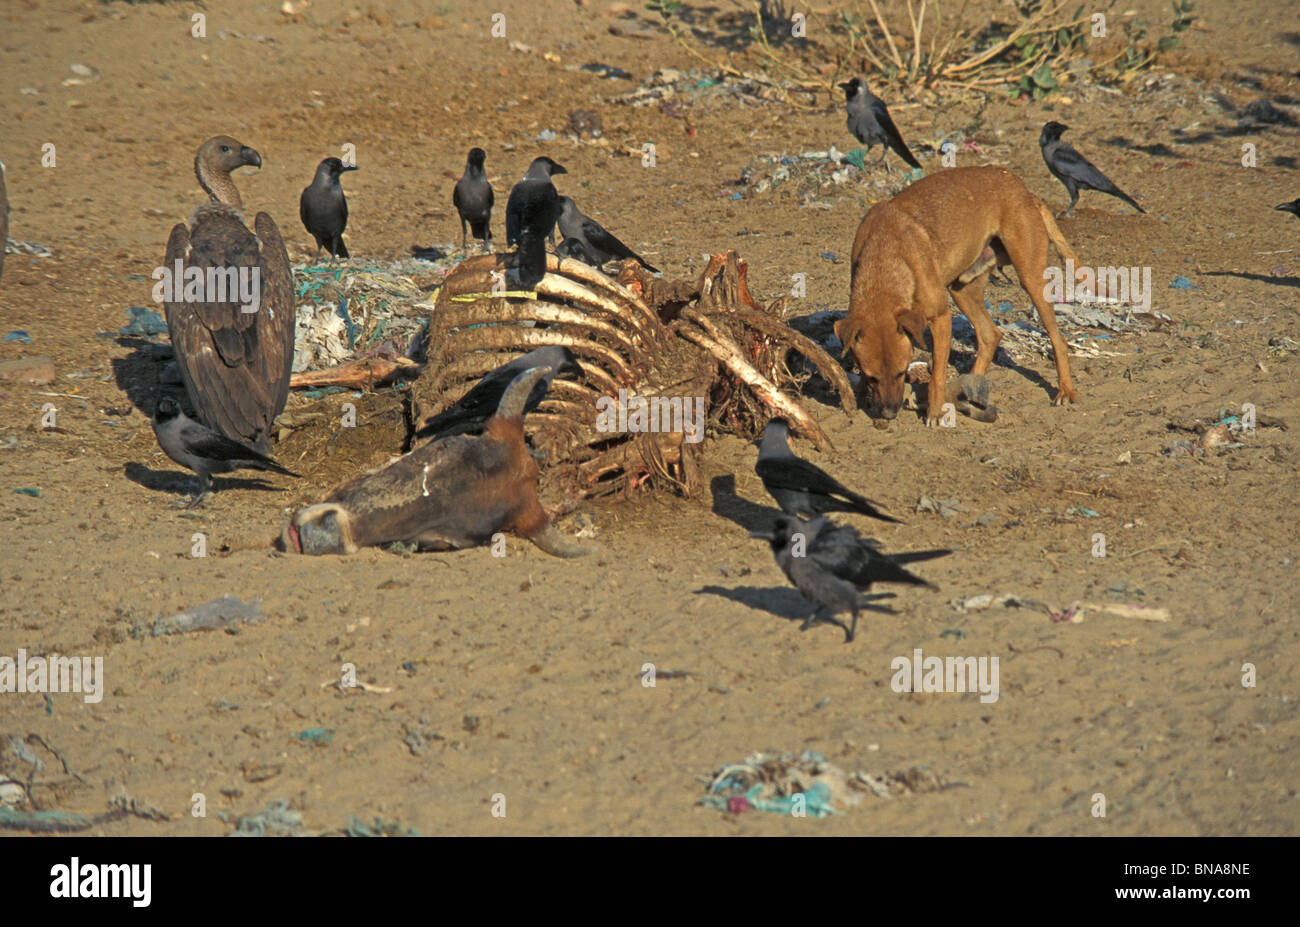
{"points": [[324, 208], [1074, 170], [870, 123], [203, 450], [801, 488], [832, 565], [531, 213], [1292, 207], [474, 198], [596, 242], [470, 413]]}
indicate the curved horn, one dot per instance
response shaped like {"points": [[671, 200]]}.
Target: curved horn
{"points": [[558, 544], [516, 395]]}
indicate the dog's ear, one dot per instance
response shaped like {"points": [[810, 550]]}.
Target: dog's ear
{"points": [[844, 331], [912, 324]]}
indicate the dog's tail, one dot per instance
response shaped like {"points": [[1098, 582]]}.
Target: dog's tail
{"points": [[1062, 246]]}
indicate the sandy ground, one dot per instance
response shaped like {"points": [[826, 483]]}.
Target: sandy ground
{"points": [[521, 676]]}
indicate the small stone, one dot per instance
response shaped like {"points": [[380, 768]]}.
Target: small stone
{"points": [[37, 370]]}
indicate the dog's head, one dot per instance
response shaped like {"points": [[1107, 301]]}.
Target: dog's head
{"points": [[881, 345]]}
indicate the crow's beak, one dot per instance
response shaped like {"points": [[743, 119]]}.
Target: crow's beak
{"points": [[762, 535], [349, 167]]}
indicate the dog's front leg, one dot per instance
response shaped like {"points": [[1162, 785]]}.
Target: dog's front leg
{"points": [[941, 339]]}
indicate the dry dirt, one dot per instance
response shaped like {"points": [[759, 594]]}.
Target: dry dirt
{"points": [[527, 668]]}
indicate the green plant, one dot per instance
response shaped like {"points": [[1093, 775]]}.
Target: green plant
{"points": [[1183, 18]]}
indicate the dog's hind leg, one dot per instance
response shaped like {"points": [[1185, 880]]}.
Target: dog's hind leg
{"points": [[1026, 245]]}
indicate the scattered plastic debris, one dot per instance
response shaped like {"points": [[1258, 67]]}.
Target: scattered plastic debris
{"points": [[1091, 315], [315, 735], [30, 248], [324, 391], [380, 828], [277, 820], [19, 336], [806, 785], [219, 614], [143, 322], [43, 822], [28, 491], [708, 89], [1182, 283], [1221, 431], [348, 310]]}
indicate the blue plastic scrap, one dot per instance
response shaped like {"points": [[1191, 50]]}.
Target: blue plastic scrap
{"points": [[143, 321]]}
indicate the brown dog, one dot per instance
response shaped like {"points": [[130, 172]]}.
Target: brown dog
{"points": [[943, 235]]}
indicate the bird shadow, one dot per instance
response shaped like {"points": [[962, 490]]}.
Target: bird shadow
{"points": [[1260, 278], [173, 481], [782, 601], [138, 373], [430, 252], [785, 602], [735, 508]]}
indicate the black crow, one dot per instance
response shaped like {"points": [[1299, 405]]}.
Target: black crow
{"points": [[1292, 207], [324, 209], [470, 413], [802, 488], [573, 248], [1074, 170], [203, 450], [870, 123], [833, 565], [473, 198], [595, 240], [531, 213]]}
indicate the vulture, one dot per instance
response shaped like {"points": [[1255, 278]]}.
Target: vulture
{"points": [[234, 354]]}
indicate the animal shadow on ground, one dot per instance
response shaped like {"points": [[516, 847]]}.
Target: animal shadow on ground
{"points": [[749, 515], [182, 482], [137, 373], [1260, 278]]}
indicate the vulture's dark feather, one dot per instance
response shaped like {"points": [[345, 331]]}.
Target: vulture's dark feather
{"points": [[235, 364]]}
